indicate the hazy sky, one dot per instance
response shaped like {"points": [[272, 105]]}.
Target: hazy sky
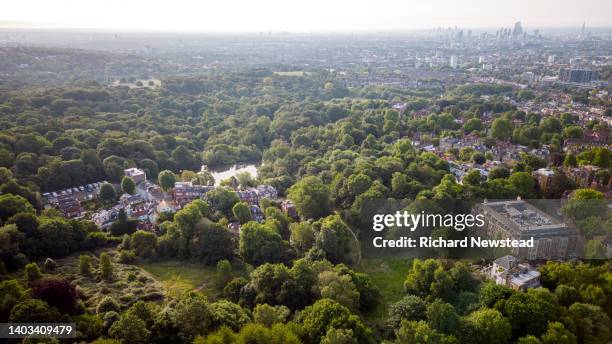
{"points": [[303, 15]]}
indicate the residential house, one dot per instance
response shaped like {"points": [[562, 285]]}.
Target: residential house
{"points": [[69, 205], [137, 175], [185, 192], [509, 272], [289, 209]]}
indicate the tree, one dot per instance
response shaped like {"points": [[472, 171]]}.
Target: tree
{"points": [[567, 295], [418, 332], [302, 236], [229, 314], [428, 279], [524, 183], [144, 244], [166, 180], [213, 243], [12, 292], [573, 131], [339, 336], [490, 293], [192, 316], [222, 199], [473, 177], [130, 329], [359, 183], [268, 315], [556, 333], [530, 312], [127, 185], [339, 288], [106, 267], [311, 198], [184, 159], [529, 339], [589, 323], [336, 240], [260, 244], [486, 326], [85, 264], [32, 272], [479, 158], [11, 205], [472, 124], [410, 307], [499, 172], [501, 129], [326, 314], [242, 212], [596, 250], [442, 317], [224, 271], [57, 292], [601, 157], [33, 311], [107, 193]]}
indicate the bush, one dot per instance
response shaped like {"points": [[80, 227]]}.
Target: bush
{"points": [[85, 265], [107, 304], [57, 292], [33, 311], [106, 267], [232, 289], [224, 271], [90, 326], [95, 240], [32, 272], [127, 257]]}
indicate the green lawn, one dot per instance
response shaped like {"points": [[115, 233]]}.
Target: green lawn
{"points": [[388, 274], [177, 277]]}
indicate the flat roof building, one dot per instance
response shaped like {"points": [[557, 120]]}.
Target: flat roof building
{"points": [[517, 219]]}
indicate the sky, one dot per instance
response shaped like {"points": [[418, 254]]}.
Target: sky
{"points": [[303, 15]]}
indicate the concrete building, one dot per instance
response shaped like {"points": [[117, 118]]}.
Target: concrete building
{"points": [[577, 75], [544, 177], [509, 272], [517, 219], [454, 61], [136, 174]]}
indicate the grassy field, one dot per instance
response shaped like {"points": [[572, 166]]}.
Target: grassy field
{"points": [[388, 274], [178, 277], [129, 285]]}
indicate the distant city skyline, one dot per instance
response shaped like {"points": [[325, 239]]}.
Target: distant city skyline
{"points": [[314, 15]]}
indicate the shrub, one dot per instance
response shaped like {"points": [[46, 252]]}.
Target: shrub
{"points": [[90, 326], [94, 240], [57, 292], [85, 265], [107, 304], [33, 311], [224, 271], [106, 267], [127, 257], [32, 272]]}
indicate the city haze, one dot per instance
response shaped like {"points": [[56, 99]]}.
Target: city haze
{"points": [[311, 16]]}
